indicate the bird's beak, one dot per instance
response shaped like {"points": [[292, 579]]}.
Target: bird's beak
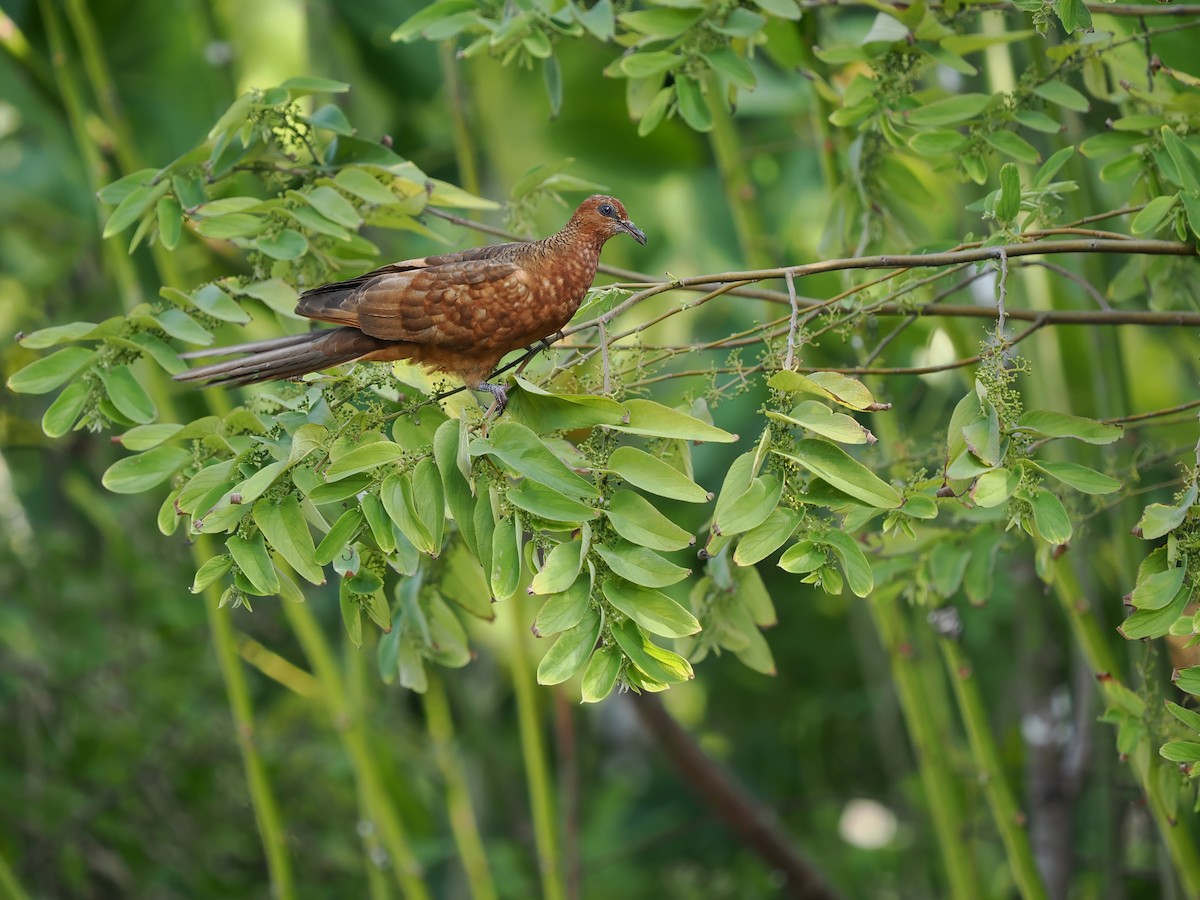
{"points": [[636, 233]]}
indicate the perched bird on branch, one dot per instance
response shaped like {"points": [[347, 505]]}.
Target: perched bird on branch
{"points": [[458, 313]]}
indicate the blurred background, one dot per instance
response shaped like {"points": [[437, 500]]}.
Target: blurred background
{"points": [[120, 773]]}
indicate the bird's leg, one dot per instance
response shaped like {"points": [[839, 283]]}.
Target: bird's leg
{"points": [[499, 398], [549, 341]]}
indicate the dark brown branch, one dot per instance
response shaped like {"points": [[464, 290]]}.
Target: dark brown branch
{"points": [[731, 801]]}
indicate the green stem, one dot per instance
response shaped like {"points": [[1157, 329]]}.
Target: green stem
{"points": [[739, 191], [1010, 821], [464, 147], [533, 752], [458, 796], [936, 778], [351, 727], [262, 799], [1143, 759]]}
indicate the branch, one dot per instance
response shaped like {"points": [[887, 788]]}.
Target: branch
{"points": [[729, 799]]}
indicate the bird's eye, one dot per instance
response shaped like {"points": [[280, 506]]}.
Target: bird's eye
{"points": [[607, 210]]}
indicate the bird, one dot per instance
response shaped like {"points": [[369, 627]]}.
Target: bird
{"points": [[457, 313]]}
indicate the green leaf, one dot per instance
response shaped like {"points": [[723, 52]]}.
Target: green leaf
{"points": [[600, 676], [62, 414], [333, 206], [1154, 623], [841, 389], [949, 111], [116, 191], [446, 194], [284, 244], [648, 659], [1188, 679], [560, 570], [693, 105], [230, 225], [565, 609], [399, 499], [1008, 207], [1012, 144], [1154, 214], [760, 542], [542, 411], [1073, 14], [127, 395], [636, 519], [1189, 717], [853, 562], [1159, 519], [1047, 423], [570, 651], [505, 573], [379, 522], [275, 293], [651, 474], [994, 487], [363, 459], [132, 207], [641, 566], [426, 21], [819, 418], [655, 420], [1186, 162], [254, 561], [1036, 120], [1063, 95], [740, 23], [364, 185], [1089, 481], [1157, 582], [832, 464], [802, 557], [302, 85], [464, 583], [344, 530], [653, 610], [351, 615], [44, 375], [728, 63], [283, 525], [134, 474], [210, 571], [947, 566], [216, 303], [1186, 752], [598, 19], [751, 509], [937, 142], [523, 451], [170, 222], [1050, 517], [449, 453], [548, 504], [56, 334], [179, 324], [331, 118], [661, 22]]}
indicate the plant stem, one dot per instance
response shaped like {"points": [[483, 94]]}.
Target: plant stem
{"points": [[1143, 758], [458, 795], [1010, 821], [533, 752], [739, 191], [10, 888], [936, 779], [262, 799], [351, 728]]}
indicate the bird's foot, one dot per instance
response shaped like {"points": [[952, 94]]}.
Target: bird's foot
{"points": [[499, 398], [549, 341]]}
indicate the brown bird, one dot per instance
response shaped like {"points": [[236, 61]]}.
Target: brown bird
{"points": [[457, 313]]}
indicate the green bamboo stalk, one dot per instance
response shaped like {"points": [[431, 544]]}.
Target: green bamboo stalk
{"points": [[1144, 760], [936, 778], [262, 799], [351, 727], [1010, 821], [533, 752], [10, 888], [739, 191], [458, 796], [464, 148]]}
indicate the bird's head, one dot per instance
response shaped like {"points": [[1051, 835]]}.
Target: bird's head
{"points": [[604, 217]]}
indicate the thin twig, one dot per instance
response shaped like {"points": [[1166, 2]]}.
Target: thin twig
{"points": [[793, 323]]}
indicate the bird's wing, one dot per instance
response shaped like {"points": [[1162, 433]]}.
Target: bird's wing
{"points": [[446, 301]]}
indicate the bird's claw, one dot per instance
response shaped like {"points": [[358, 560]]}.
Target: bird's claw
{"points": [[499, 399]]}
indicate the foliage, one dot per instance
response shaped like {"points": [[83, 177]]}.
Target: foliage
{"points": [[587, 493]]}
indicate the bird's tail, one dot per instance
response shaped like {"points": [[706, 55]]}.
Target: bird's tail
{"points": [[287, 357]]}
